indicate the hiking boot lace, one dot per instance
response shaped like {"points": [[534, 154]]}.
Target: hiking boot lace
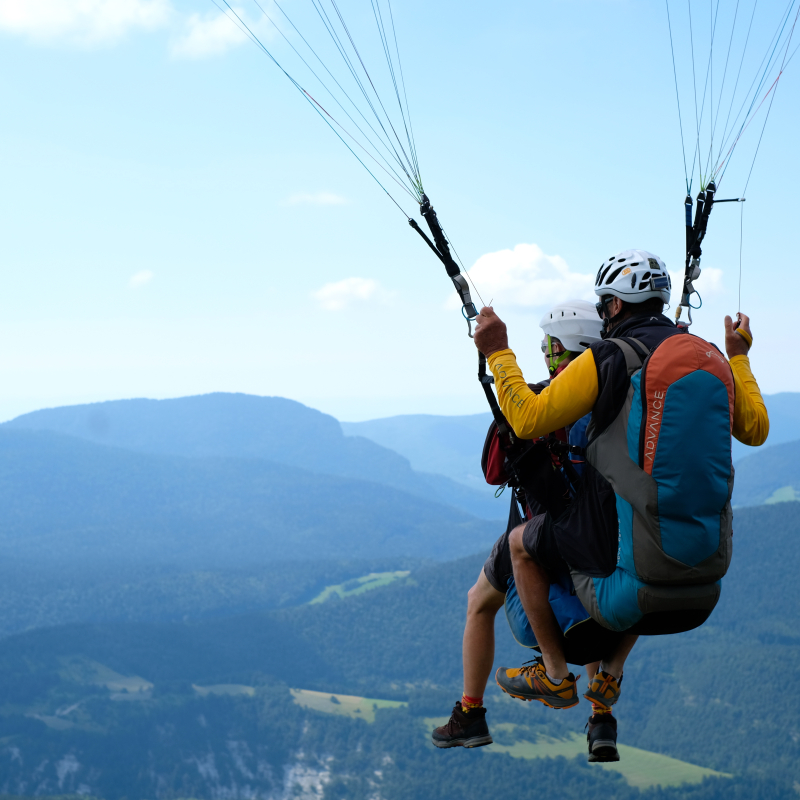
{"points": [[528, 670], [536, 662], [453, 723]]}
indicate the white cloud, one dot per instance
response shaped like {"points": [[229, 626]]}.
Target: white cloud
{"points": [[340, 295], [83, 21], [708, 285], [710, 281], [209, 35], [525, 276], [316, 199], [140, 279]]}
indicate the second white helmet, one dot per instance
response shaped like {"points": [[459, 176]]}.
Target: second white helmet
{"points": [[574, 323], [633, 276]]}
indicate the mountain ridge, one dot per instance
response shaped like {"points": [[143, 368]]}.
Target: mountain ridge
{"points": [[235, 425]]}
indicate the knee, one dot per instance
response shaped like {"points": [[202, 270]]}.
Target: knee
{"points": [[516, 545], [475, 600], [481, 601]]}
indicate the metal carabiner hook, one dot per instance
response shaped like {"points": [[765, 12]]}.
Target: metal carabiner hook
{"points": [[466, 314]]}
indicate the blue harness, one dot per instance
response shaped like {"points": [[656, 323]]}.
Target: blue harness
{"points": [[568, 609]]}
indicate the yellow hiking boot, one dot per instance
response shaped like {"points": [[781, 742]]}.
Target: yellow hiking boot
{"points": [[603, 690], [530, 682]]}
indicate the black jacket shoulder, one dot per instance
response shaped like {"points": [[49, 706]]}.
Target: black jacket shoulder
{"points": [[612, 374]]}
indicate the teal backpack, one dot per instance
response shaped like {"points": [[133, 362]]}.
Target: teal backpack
{"points": [[667, 456]]}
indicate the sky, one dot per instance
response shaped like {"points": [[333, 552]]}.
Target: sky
{"points": [[175, 219]]}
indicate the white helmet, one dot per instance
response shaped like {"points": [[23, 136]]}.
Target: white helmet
{"points": [[634, 276], [575, 324]]}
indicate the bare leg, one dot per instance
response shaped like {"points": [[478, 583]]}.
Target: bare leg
{"points": [[483, 603], [614, 665], [591, 669], [533, 586]]}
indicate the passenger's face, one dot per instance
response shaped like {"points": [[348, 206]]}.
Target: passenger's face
{"points": [[552, 350]]}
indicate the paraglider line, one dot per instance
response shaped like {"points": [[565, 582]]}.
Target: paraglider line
{"points": [[313, 103], [326, 21], [768, 58], [376, 11], [725, 72], [678, 98], [369, 78], [709, 87], [741, 239], [694, 84], [405, 95], [333, 77], [772, 100], [749, 121], [724, 137], [772, 89], [358, 144]]}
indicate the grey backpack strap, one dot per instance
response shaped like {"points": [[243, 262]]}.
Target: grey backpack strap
{"points": [[634, 357]]}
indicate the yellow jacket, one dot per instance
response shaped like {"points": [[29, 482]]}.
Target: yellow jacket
{"points": [[573, 393]]}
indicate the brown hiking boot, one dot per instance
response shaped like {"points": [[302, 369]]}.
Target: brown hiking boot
{"points": [[464, 729], [602, 738]]}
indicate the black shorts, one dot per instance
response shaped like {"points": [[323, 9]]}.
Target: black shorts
{"points": [[539, 541], [498, 566]]}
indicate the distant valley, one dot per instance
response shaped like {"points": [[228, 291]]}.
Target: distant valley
{"points": [[230, 598], [246, 695]]}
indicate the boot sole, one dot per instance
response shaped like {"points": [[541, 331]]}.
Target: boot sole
{"points": [[475, 741], [600, 700], [604, 750], [546, 700]]}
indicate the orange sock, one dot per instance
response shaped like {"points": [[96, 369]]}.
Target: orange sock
{"points": [[468, 703]]}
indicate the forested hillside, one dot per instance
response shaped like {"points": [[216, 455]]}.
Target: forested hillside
{"points": [[63, 500], [784, 423], [57, 594], [157, 579], [66, 700], [771, 475]]}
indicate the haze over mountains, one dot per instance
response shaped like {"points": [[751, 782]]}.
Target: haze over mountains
{"points": [[433, 457], [448, 445], [160, 556], [193, 500], [245, 426], [65, 499]]}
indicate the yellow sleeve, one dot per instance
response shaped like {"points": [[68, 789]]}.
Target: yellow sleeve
{"points": [[750, 420], [570, 396]]}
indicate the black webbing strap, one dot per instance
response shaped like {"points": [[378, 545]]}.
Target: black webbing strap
{"points": [[487, 380], [634, 351]]}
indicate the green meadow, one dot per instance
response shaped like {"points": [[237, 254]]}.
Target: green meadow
{"points": [[356, 586], [640, 768]]}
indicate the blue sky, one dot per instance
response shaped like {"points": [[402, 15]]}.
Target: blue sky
{"points": [[174, 219]]}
